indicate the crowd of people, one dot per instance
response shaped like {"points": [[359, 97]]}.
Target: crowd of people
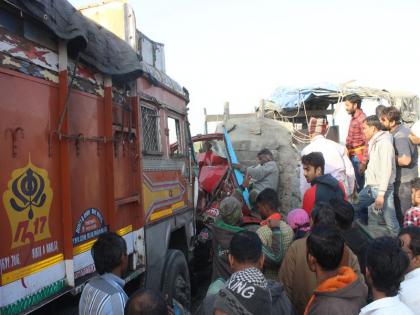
{"points": [[313, 260], [327, 266], [319, 255]]}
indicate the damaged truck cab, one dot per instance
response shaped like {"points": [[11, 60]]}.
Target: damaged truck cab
{"points": [[87, 117]]}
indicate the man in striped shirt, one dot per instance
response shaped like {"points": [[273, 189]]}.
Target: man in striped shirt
{"points": [[104, 294], [356, 141], [268, 204]]}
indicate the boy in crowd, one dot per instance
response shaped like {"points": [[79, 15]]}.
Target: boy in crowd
{"points": [[105, 294], [409, 294], [406, 159], [386, 264], [412, 216], [339, 290], [324, 187], [267, 204]]}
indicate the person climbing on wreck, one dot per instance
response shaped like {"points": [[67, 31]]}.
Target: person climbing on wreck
{"points": [[261, 176]]}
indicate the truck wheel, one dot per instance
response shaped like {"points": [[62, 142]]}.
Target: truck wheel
{"points": [[176, 279]]}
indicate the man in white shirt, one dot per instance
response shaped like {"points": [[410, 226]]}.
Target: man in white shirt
{"points": [[409, 293], [385, 266], [337, 162]]}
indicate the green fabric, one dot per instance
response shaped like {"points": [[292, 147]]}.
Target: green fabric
{"points": [[230, 210], [31, 300], [273, 254], [265, 234], [228, 227], [216, 286], [276, 242], [284, 236]]}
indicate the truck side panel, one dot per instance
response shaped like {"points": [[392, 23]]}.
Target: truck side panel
{"points": [[31, 247], [62, 187], [31, 222]]}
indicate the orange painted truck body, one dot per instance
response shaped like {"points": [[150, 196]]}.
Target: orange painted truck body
{"points": [[74, 163]]}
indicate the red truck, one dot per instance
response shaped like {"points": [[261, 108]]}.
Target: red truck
{"points": [[87, 119]]}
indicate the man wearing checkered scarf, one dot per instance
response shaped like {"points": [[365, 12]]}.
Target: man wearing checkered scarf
{"points": [[247, 291]]}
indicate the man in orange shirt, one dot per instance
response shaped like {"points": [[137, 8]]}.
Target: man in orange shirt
{"points": [[339, 289]]}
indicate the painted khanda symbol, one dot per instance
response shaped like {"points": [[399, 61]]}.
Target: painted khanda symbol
{"points": [[29, 192], [27, 202]]}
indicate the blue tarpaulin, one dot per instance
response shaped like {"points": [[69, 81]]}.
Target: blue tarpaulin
{"points": [[315, 97]]}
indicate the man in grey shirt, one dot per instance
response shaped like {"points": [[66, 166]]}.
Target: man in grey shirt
{"points": [[380, 176], [406, 159], [104, 294], [263, 175]]}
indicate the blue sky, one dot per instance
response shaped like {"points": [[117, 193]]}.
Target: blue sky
{"points": [[240, 51]]}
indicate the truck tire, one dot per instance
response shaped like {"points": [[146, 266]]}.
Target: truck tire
{"points": [[176, 278]]}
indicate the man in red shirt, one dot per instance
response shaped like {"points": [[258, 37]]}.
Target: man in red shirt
{"points": [[356, 141]]}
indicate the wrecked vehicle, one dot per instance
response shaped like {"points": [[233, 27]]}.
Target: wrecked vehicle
{"points": [[217, 179]]}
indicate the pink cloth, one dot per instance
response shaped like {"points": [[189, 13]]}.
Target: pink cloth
{"points": [[412, 217], [298, 219]]}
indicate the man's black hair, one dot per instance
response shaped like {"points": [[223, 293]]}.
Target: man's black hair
{"points": [[323, 214], [246, 247], [344, 213], [392, 114], [373, 120], [415, 183], [354, 99], [146, 302], [414, 233], [265, 151], [386, 263], [326, 244], [108, 251], [315, 159], [378, 110], [270, 198]]}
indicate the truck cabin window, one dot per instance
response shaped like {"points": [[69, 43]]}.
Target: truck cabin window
{"points": [[175, 140], [150, 128]]}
